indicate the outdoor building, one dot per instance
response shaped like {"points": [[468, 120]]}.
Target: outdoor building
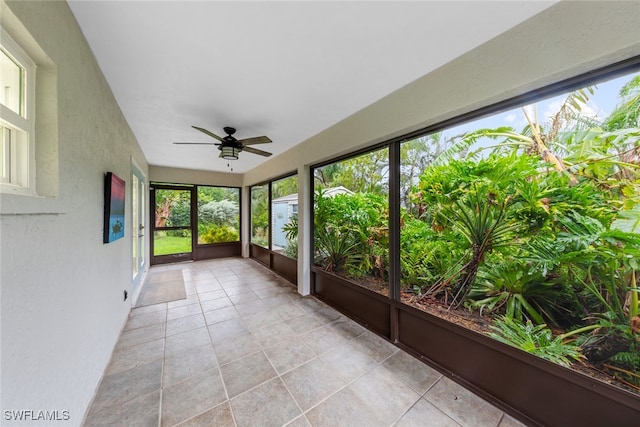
{"points": [[286, 207], [299, 284]]}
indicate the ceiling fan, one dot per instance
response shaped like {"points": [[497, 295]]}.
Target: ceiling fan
{"points": [[229, 146]]}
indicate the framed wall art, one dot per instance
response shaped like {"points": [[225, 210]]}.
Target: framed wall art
{"points": [[114, 191]]}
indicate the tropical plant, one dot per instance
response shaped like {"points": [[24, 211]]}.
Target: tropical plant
{"points": [[351, 232], [336, 250], [510, 288], [536, 339]]}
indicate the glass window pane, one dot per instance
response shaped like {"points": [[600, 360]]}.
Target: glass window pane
{"points": [[522, 225], [173, 208], [351, 219], [218, 215], [260, 215], [169, 242], [284, 216], [11, 84]]}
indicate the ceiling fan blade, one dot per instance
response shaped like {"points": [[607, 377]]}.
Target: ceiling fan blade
{"points": [[195, 143], [256, 140], [256, 151], [211, 134]]}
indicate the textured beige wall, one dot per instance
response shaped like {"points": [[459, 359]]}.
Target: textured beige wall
{"points": [[61, 299]]}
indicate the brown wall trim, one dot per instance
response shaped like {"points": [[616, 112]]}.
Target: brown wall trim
{"points": [[280, 264], [366, 307], [218, 250], [285, 266]]}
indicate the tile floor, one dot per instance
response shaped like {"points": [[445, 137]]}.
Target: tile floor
{"points": [[245, 349]]}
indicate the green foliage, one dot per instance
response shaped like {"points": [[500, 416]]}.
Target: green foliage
{"points": [[291, 250], [537, 226], [220, 234], [260, 215], [509, 287], [535, 339], [351, 233], [367, 173], [222, 212]]}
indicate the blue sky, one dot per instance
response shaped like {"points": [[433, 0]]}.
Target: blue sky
{"points": [[600, 105]]}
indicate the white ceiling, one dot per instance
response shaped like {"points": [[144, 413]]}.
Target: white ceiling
{"points": [[287, 70]]}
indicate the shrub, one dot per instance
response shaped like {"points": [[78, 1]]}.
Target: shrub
{"points": [[220, 235]]}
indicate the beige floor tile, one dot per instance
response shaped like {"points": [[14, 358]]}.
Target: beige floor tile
{"points": [[301, 421], [184, 324], [343, 409], [272, 333], [324, 339], [143, 411], [146, 319], [142, 335], [236, 347], [412, 371], [186, 340], [135, 355], [221, 315], [462, 405], [185, 310], [216, 304], [243, 374], [385, 395], [192, 397], [219, 416], [211, 295], [348, 362], [288, 354], [187, 363], [222, 331], [119, 388], [424, 414], [269, 404], [312, 382]]}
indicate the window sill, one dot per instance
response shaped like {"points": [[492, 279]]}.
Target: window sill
{"points": [[20, 204]]}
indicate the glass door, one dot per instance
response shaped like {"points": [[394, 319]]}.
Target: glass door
{"points": [[137, 228], [172, 224]]}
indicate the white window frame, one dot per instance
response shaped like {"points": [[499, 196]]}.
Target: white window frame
{"points": [[18, 172]]}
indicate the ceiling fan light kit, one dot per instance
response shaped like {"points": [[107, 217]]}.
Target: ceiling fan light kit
{"points": [[229, 152], [229, 146]]}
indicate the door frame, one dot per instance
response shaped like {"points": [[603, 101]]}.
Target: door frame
{"points": [[180, 257], [138, 211]]}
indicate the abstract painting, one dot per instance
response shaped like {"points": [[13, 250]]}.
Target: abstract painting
{"points": [[113, 207]]}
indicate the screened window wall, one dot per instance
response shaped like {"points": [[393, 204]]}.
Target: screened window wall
{"points": [[260, 215], [218, 215], [523, 226], [284, 216], [274, 225], [351, 219], [192, 222]]}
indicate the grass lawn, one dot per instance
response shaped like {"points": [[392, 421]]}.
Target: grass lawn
{"points": [[165, 245]]}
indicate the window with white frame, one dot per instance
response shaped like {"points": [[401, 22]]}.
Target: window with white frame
{"points": [[17, 99]]}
